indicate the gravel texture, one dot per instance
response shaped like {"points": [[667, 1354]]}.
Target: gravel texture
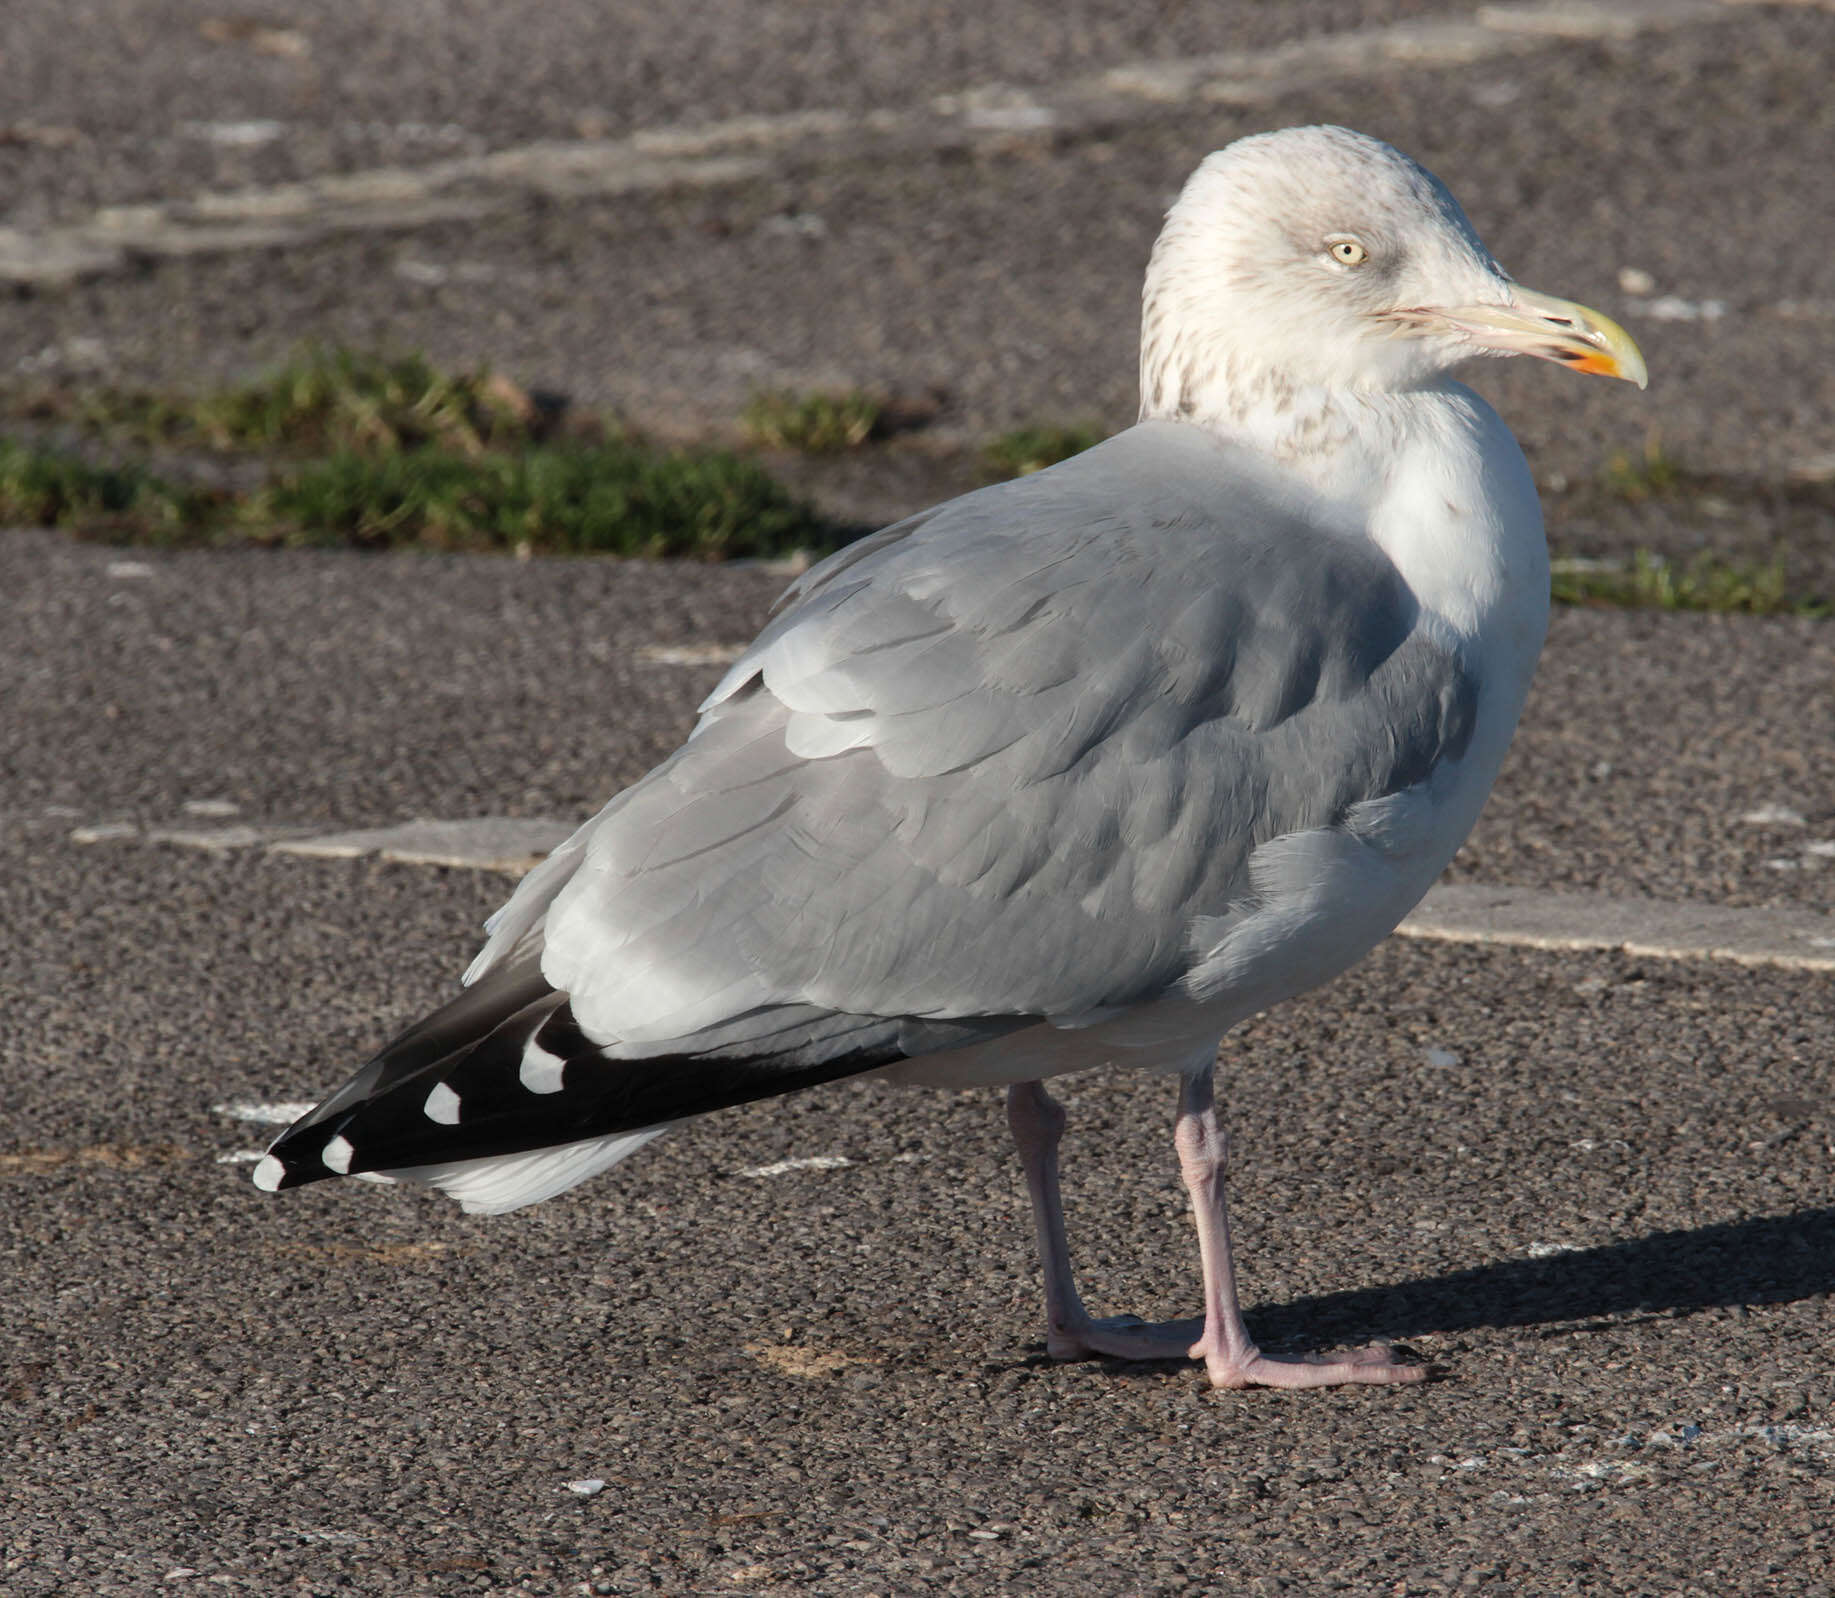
{"points": [[831, 1381], [1591, 1190]]}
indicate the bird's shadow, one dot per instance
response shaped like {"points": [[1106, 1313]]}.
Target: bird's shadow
{"points": [[1771, 1260], [1775, 1259]]}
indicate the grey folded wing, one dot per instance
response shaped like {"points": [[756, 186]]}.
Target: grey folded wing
{"points": [[992, 762]]}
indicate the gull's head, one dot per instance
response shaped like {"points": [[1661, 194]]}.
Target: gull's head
{"points": [[1319, 258]]}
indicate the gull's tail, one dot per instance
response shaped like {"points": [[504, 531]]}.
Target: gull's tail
{"points": [[499, 1099]]}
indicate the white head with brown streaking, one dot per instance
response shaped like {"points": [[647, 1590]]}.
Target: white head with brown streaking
{"points": [[1319, 258]]}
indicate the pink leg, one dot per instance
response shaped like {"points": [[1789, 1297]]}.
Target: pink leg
{"points": [[1229, 1356], [1220, 1339], [1037, 1120]]}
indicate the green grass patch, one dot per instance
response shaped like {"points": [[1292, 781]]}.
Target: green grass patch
{"points": [[48, 488], [612, 499], [617, 499], [1653, 475], [1031, 449], [375, 451], [1707, 582], [815, 424], [319, 401]]}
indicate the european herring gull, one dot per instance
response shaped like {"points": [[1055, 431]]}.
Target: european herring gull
{"points": [[1078, 770]]}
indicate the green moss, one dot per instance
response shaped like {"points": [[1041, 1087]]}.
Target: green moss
{"points": [[816, 424], [1649, 582], [613, 500], [1654, 475], [383, 451], [1031, 449], [49, 488], [317, 401]]}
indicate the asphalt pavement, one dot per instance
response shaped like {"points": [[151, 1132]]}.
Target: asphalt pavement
{"points": [[1592, 1189]]}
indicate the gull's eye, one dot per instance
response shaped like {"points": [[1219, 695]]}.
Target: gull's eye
{"points": [[1346, 251]]}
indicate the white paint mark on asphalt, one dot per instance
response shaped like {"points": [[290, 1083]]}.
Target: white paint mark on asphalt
{"points": [[486, 843], [218, 809], [236, 135], [128, 570], [795, 225], [104, 832], [283, 1112], [220, 840], [1673, 308], [241, 1157], [1773, 815], [586, 1486], [431, 274], [1545, 1251], [690, 654], [812, 1162]]}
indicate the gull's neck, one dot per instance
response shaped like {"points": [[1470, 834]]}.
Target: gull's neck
{"points": [[1430, 474], [1302, 423], [1337, 438]]}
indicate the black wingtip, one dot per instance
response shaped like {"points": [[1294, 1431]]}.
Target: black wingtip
{"points": [[301, 1154]]}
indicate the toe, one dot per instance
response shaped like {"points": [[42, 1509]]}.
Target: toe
{"points": [[1365, 1367]]}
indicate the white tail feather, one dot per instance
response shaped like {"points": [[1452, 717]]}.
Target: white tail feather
{"points": [[502, 1182]]}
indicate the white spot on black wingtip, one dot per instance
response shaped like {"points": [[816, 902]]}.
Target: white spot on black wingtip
{"points": [[442, 1105], [268, 1174], [541, 1070], [337, 1155]]}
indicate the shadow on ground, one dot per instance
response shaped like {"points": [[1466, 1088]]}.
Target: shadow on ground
{"points": [[1770, 1260]]}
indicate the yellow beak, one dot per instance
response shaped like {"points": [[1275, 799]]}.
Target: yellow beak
{"points": [[1550, 329]]}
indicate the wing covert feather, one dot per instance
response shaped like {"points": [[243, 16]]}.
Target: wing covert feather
{"points": [[994, 762]]}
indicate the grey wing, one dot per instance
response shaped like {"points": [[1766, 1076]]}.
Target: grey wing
{"points": [[994, 762]]}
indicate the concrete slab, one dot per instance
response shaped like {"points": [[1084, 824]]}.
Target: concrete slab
{"points": [[1793, 937], [486, 843], [222, 840], [1530, 918]]}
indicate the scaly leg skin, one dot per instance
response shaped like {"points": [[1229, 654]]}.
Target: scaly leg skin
{"points": [[1220, 1338], [1229, 1356], [1037, 1121]]}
